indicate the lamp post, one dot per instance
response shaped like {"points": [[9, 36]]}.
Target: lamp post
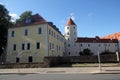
{"points": [[117, 56], [100, 68]]}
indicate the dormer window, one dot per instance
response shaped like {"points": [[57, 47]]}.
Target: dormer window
{"points": [[28, 20]]}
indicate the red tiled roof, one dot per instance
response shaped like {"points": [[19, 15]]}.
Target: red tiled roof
{"points": [[113, 36], [70, 22], [34, 20], [96, 40]]}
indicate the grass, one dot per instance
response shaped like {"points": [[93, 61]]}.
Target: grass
{"points": [[89, 65], [94, 64]]}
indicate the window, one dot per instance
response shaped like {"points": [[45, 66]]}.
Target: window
{"points": [[17, 59], [38, 45], [26, 32], [28, 20], [99, 45], [68, 39], [54, 34], [109, 45], [30, 59], [67, 27], [74, 33], [28, 46], [74, 44], [88, 45], [69, 53], [81, 45], [105, 45], [14, 47], [57, 47], [50, 45], [74, 27], [49, 31], [12, 33], [39, 30], [74, 38], [23, 46], [68, 33], [68, 45]]}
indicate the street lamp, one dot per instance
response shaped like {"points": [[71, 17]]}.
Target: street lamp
{"points": [[99, 61], [117, 56]]}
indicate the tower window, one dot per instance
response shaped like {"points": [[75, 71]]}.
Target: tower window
{"points": [[68, 33], [68, 39], [69, 53], [74, 27], [74, 33], [68, 45], [67, 27]]}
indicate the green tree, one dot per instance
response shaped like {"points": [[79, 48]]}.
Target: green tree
{"points": [[24, 15], [86, 52], [4, 23]]}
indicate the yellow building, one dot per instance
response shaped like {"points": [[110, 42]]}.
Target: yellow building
{"points": [[32, 39]]}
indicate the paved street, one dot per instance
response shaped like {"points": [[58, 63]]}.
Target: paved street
{"points": [[66, 70], [80, 73], [54, 76]]}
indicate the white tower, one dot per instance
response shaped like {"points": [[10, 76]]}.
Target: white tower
{"points": [[71, 38], [71, 31]]}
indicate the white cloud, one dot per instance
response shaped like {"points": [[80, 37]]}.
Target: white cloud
{"points": [[14, 17], [90, 14]]}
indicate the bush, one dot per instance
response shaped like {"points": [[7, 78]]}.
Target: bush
{"points": [[86, 52], [107, 52]]}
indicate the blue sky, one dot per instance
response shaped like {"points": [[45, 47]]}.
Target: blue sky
{"points": [[92, 17]]}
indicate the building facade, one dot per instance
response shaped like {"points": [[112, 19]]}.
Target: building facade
{"points": [[75, 45], [34, 38]]}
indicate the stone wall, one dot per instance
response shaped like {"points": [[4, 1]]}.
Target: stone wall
{"points": [[52, 61], [24, 65]]}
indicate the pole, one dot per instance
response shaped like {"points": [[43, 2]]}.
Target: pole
{"points": [[99, 61], [117, 56]]}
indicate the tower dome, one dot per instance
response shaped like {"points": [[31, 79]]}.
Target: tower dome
{"points": [[71, 31], [70, 22]]}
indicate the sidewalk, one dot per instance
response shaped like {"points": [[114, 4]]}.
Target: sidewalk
{"points": [[84, 70]]}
